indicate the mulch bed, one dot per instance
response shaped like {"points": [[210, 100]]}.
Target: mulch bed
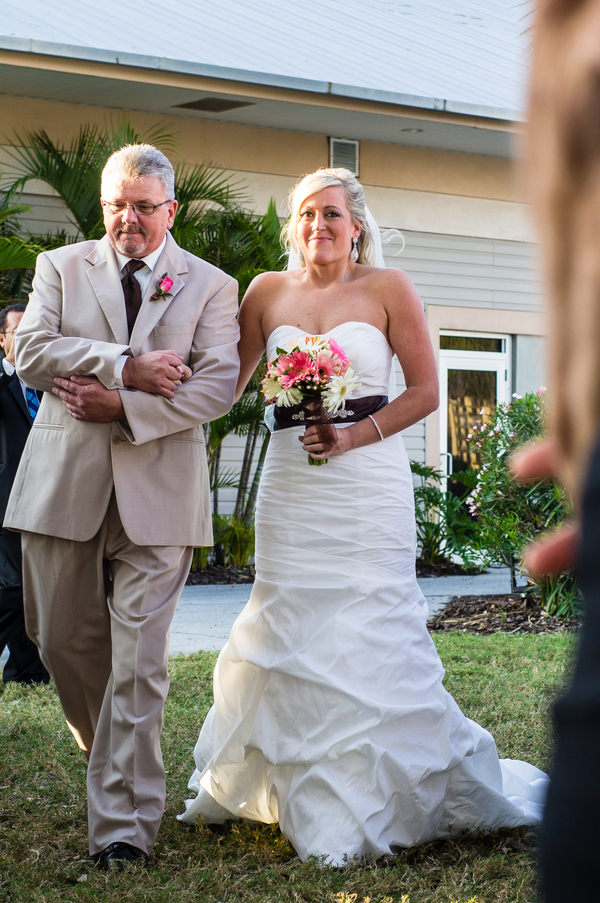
{"points": [[216, 574], [499, 614], [443, 568]]}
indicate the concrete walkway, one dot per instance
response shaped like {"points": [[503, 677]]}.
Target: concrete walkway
{"points": [[205, 613]]}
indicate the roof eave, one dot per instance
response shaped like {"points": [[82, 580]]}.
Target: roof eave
{"points": [[96, 55]]}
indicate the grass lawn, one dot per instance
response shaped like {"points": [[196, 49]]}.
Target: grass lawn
{"points": [[507, 683]]}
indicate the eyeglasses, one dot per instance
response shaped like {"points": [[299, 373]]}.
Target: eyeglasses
{"points": [[141, 208]]}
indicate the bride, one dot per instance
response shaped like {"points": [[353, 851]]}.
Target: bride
{"points": [[330, 716]]}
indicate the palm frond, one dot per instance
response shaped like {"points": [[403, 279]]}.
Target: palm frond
{"points": [[9, 213], [16, 254], [117, 134], [249, 409], [74, 171], [225, 479], [208, 184], [246, 411]]}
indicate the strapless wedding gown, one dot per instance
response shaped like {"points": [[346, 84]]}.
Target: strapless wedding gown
{"points": [[330, 716]]}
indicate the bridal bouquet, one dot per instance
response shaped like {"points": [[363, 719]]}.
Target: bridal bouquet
{"points": [[313, 372]]}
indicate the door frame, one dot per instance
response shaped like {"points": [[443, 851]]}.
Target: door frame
{"points": [[450, 359]]}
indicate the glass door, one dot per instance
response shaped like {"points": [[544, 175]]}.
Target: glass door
{"points": [[474, 372]]}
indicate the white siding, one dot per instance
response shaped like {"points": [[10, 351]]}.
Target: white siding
{"points": [[48, 214], [469, 272], [232, 454]]}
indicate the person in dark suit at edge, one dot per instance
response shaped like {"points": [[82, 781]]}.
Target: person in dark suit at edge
{"points": [[16, 416]]}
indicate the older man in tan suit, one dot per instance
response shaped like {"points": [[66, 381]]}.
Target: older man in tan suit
{"points": [[133, 342]]}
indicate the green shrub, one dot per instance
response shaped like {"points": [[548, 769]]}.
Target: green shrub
{"points": [[510, 514], [444, 527], [234, 541], [233, 544]]}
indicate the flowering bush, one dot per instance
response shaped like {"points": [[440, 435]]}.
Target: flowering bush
{"points": [[511, 514]]}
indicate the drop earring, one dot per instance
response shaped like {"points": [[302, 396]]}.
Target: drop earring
{"points": [[354, 251]]}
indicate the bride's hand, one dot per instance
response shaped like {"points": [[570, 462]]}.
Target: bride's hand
{"points": [[319, 450]]}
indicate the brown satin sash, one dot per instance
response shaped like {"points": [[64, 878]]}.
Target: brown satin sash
{"points": [[356, 409]]}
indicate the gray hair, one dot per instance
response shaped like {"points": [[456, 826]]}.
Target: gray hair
{"points": [[355, 201], [139, 161]]}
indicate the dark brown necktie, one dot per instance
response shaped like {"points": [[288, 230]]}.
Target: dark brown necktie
{"points": [[132, 291]]}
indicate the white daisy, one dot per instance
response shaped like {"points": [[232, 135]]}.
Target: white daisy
{"points": [[338, 389], [288, 397]]}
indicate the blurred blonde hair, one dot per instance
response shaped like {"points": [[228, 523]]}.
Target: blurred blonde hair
{"points": [[563, 162]]}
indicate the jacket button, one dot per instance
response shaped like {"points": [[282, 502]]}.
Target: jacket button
{"points": [[117, 440]]}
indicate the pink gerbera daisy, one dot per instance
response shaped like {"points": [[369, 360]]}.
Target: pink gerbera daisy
{"points": [[339, 352], [295, 368]]}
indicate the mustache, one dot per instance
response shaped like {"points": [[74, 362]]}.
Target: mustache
{"points": [[132, 228]]}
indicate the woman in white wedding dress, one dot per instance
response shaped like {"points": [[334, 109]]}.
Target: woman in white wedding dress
{"points": [[330, 716]]}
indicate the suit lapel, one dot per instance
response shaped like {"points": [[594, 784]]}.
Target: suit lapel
{"points": [[172, 262], [15, 387], [106, 283]]}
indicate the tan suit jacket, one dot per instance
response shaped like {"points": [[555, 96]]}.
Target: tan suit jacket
{"points": [[75, 323]]}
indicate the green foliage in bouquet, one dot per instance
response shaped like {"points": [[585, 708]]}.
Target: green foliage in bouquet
{"points": [[510, 514]]}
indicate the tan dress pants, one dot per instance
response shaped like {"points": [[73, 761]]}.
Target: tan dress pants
{"points": [[100, 613]]}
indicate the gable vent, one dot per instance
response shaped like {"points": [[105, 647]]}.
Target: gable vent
{"points": [[343, 152]]}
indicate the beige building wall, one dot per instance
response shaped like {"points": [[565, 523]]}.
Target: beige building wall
{"points": [[408, 188]]}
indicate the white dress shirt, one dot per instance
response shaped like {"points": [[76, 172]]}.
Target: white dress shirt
{"points": [[9, 370]]}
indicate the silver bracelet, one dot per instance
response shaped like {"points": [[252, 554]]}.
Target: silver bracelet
{"points": [[376, 425]]}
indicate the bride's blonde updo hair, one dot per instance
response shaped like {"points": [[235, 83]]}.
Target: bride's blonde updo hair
{"points": [[355, 201]]}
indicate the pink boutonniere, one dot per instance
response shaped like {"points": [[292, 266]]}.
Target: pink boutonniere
{"points": [[163, 289]]}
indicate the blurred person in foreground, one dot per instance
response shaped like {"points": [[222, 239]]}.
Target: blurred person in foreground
{"points": [[564, 176]]}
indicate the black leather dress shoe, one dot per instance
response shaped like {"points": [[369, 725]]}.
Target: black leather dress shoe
{"points": [[117, 855]]}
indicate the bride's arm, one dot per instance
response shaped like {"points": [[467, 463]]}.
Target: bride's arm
{"points": [[252, 340], [409, 337]]}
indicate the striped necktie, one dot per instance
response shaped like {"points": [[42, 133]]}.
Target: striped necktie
{"points": [[33, 402]]}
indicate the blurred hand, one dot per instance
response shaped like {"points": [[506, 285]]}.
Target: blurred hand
{"points": [[557, 550]]}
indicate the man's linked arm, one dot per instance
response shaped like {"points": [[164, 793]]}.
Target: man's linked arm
{"points": [[43, 353], [209, 392]]}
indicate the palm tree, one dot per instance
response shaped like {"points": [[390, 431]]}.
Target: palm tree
{"points": [[75, 171], [17, 255], [243, 245]]}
